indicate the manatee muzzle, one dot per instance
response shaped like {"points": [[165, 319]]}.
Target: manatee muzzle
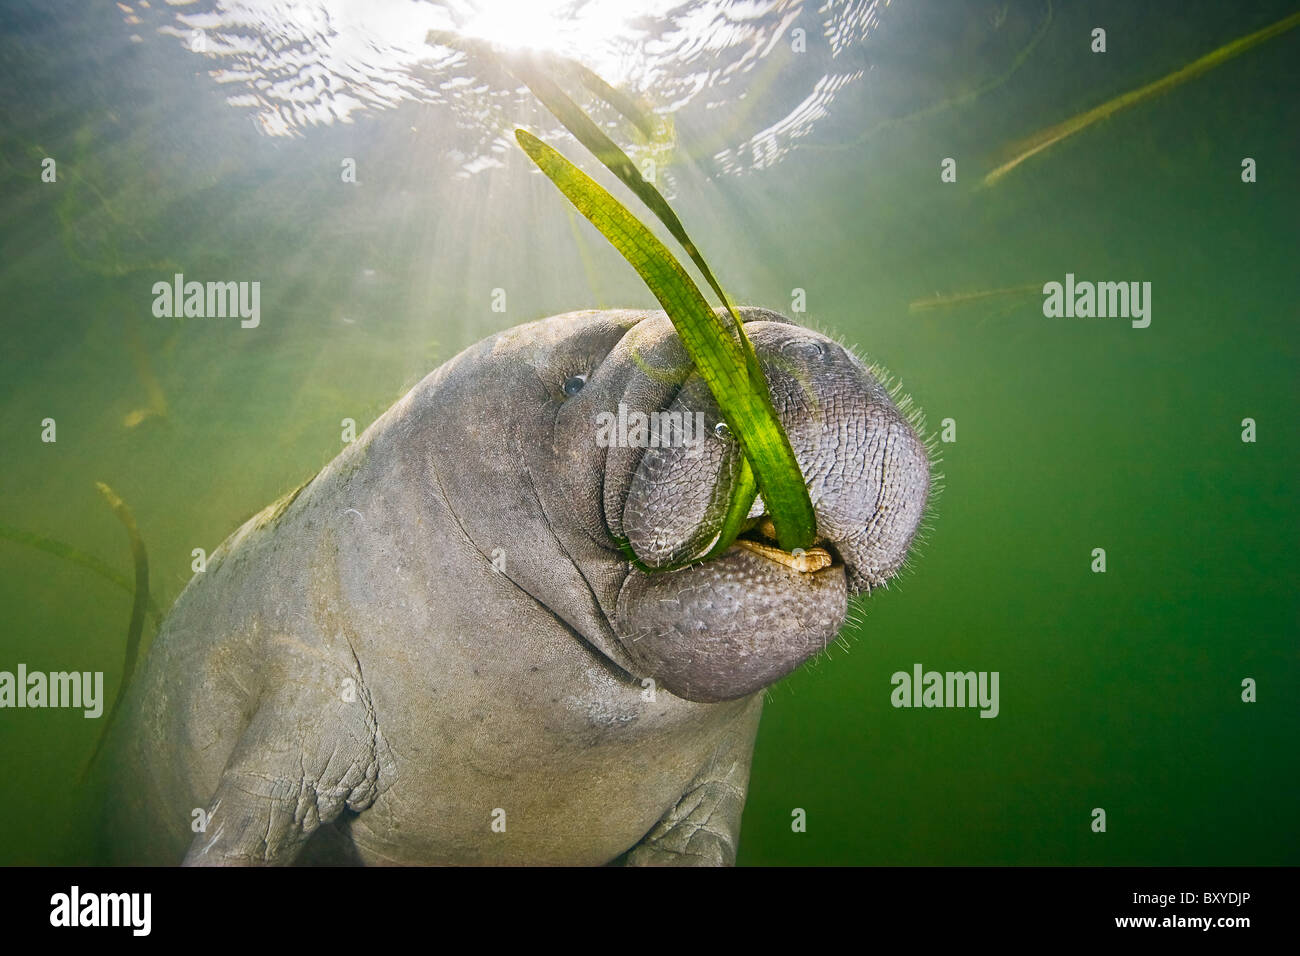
{"points": [[724, 627]]}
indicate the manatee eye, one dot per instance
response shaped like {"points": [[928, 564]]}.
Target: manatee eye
{"points": [[573, 384], [805, 348]]}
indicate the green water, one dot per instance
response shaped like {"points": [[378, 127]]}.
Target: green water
{"points": [[1119, 691]]}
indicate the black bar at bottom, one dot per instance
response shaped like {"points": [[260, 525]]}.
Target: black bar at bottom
{"points": [[339, 907]]}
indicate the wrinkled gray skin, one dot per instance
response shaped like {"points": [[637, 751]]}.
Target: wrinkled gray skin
{"points": [[353, 679]]}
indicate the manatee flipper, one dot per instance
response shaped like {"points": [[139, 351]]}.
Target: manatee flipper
{"points": [[308, 754], [703, 827]]}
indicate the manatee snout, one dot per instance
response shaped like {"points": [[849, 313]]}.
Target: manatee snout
{"points": [[725, 627]]}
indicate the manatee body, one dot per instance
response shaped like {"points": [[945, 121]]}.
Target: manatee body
{"points": [[438, 650]]}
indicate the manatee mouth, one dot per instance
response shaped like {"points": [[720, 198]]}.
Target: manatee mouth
{"points": [[760, 539], [712, 629], [724, 628]]}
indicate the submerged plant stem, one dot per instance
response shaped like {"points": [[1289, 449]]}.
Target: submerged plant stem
{"points": [[138, 606], [941, 301], [1043, 139]]}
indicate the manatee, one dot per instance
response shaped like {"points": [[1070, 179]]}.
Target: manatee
{"points": [[485, 634]]}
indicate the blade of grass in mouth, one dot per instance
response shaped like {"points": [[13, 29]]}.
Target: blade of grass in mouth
{"points": [[769, 463], [724, 357]]}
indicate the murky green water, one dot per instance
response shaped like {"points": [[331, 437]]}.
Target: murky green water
{"points": [[1119, 690]]}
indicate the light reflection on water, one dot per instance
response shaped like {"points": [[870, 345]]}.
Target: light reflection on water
{"points": [[303, 64]]}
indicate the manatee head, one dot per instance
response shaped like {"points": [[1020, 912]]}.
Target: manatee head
{"points": [[587, 454]]}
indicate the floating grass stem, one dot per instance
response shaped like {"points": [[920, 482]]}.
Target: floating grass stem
{"points": [[1032, 145], [947, 301]]}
